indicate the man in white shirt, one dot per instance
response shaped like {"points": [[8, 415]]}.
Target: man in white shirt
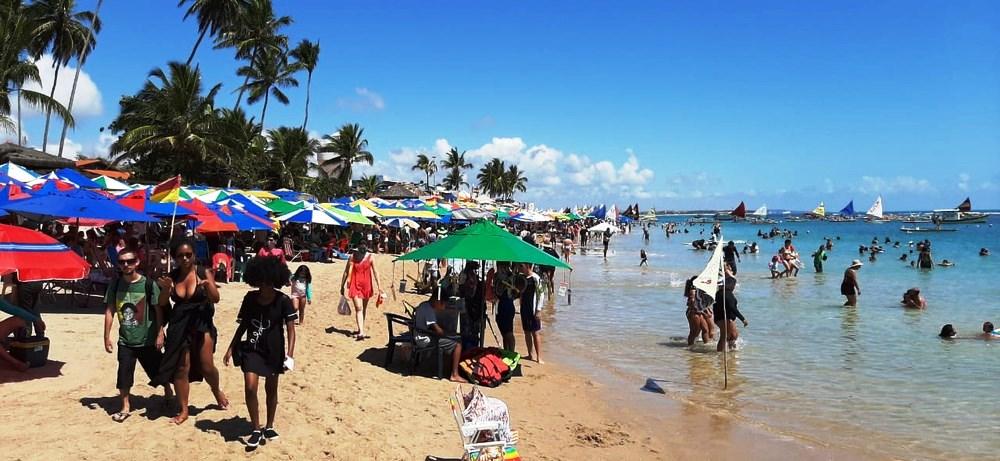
{"points": [[426, 330]]}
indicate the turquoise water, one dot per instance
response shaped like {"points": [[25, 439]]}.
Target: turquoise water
{"points": [[874, 377]]}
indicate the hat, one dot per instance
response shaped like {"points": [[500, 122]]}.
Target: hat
{"points": [[856, 263]]}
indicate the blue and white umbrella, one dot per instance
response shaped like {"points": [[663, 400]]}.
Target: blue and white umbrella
{"points": [[312, 215]]}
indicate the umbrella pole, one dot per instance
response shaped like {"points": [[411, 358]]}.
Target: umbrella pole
{"points": [[173, 218]]}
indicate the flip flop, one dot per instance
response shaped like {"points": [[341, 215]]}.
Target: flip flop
{"points": [[120, 417]]}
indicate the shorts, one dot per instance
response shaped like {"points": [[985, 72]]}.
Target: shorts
{"points": [[148, 356], [255, 363], [530, 323], [447, 344], [505, 316]]}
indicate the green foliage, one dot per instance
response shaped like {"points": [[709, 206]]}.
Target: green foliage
{"points": [[349, 146], [499, 181], [455, 163], [425, 164], [289, 154], [369, 186]]}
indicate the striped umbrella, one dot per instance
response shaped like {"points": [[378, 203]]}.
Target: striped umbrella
{"points": [[35, 256]]}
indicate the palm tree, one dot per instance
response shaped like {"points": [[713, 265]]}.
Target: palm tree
{"points": [[267, 74], [455, 162], [17, 68], [213, 17], [76, 77], [425, 164], [491, 177], [350, 146], [289, 151], [64, 33], [169, 127], [514, 181], [244, 147], [369, 186], [306, 56], [254, 31]]}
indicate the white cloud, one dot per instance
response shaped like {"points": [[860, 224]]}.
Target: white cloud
{"points": [[87, 102], [441, 147], [71, 150], [364, 100], [103, 146], [963, 181], [899, 184]]}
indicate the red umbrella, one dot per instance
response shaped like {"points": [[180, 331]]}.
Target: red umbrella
{"points": [[37, 257]]}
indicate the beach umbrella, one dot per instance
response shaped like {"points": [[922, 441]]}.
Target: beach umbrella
{"points": [[484, 241], [280, 206], [248, 204], [18, 172], [243, 220], [401, 222], [75, 177], [312, 215], [75, 204], [213, 196], [352, 217], [603, 227], [35, 256], [108, 183]]}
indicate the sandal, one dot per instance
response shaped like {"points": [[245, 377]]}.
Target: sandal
{"points": [[120, 417]]}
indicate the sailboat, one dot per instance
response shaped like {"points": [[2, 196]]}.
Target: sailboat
{"points": [[845, 214], [819, 211], [962, 214], [875, 212], [740, 212], [760, 212], [759, 216], [649, 215]]}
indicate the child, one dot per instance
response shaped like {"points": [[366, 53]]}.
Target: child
{"points": [[263, 352], [301, 291]]}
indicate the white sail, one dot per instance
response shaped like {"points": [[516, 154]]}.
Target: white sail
{"points": [[612, 214], [708, 280], [876, 210], [762, 211]]}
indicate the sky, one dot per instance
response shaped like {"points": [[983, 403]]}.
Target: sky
{"points": [[674, 105]]}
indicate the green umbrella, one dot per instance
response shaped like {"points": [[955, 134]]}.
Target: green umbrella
{"points": [[485, 241], [349, 216], [280, 207], [502, 215]]}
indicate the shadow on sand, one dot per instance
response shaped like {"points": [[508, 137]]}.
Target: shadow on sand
{"points": [[52, 369]]}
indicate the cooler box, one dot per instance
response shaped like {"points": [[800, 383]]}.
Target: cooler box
{"points": [[34, 350]]}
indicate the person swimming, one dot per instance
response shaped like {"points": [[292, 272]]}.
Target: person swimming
{"points": [[945, 263], [948, 332], [912, 299], [984, 251], [989, 332]]}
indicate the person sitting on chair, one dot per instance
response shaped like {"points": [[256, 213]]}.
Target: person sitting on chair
{"points": [[426, 327], [19, 321]]}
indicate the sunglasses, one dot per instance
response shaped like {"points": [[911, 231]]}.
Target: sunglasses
{"points": [[185, 255], [128, 262]]}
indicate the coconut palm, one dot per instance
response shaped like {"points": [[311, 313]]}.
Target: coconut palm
{"points": [[306, 56], [289, 151], [17, 68], [490, 177], [169, 127], [267, 74], [455, 162], [64, 33], [213, 17], [514, 181], [76, 77], [368, 186], [349, 146], [255, 31], [425, 164], [244, 147]]}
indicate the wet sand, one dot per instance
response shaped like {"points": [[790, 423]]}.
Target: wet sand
{"points": [[340, 403]]}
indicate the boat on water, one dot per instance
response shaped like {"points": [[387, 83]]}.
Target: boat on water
{"points": [[915, 229], [845, 214], [759, 216], [962, 214], [875, 214]]}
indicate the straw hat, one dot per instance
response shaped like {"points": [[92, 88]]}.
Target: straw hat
{"points": [[856, 263]]}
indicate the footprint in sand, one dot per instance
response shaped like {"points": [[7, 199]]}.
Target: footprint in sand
{"points": [[610, 435]]}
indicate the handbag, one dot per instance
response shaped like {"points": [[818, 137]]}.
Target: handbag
{"points": [[343, 308]]}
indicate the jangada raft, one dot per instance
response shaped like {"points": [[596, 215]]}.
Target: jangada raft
{"points": [[962, 214]]}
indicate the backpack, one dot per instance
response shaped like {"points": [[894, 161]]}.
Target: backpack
{"points": [[489, 371]]}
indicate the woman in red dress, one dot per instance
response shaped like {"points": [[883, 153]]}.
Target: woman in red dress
{"points": [[358, 275]]}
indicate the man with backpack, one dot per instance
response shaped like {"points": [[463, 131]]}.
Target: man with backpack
{"points": [[133, 299]]}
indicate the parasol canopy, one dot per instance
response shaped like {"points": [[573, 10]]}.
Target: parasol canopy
{"points": [[35, 256], [485, 241]]}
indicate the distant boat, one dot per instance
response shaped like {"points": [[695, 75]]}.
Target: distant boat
{"points": [[740, 211], [910, 230], [845, 214], [876, 210], [760, 212], [962, 214], [819, 211]]}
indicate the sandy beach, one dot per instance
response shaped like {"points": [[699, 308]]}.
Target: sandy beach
{"points": [[340, 403]]}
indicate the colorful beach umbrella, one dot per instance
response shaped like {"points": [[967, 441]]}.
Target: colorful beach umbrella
{"points": [[108, 183], [18, 172], [401, 222], [35, 256], [281, 207], [75, 177], [242, 220], [484, 241], [312, 215], [352, 217], [75, 204]]}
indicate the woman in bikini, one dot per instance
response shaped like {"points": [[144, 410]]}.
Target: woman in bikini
{"points": [[357, 283], [191, 336]]}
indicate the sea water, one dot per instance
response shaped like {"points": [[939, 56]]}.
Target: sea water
{"points": [[875, 377]]}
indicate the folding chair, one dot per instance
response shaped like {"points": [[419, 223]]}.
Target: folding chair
{"points": [[291, 253]]}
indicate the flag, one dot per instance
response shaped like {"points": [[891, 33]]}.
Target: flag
{"points": [[708, 280], [167, 191]]}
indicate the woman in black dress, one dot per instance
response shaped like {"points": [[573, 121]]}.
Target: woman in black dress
{"points": [[262, 352], [189, 342]]}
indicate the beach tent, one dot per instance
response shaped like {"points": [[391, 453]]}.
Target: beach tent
{"points": [[313, 215], [75, 177], [108, 183], [18, 172], [484, 241], [35, 256], [603, 227]]}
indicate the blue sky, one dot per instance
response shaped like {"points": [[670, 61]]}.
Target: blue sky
{"points": [[669, 104]]}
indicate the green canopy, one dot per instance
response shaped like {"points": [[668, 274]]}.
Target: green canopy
{"points": [[485, 241], [280, 207]]}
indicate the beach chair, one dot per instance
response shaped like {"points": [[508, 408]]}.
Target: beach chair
{"points": [[291, 253], [409, 338], [484, 429]]}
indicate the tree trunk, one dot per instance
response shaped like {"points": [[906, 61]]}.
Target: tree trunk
{"points": [[72, 92], [20, 140], [246, 80], [267, 94], [48, 112], [196, 45], [309, 81]]}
